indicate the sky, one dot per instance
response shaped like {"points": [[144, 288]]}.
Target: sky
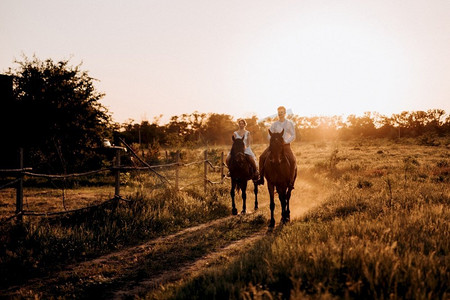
{"points": [[242, 57]]}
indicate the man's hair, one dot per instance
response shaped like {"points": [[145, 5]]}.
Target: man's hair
{"points": [[281, 107]]}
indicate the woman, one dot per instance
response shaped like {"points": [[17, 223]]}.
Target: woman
{"points": [[251, 157]]}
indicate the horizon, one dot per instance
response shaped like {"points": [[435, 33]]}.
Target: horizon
{"points": [[289, 114]]}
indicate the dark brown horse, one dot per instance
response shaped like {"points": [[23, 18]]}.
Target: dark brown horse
{"points": [[240, 172], [277, 174]]}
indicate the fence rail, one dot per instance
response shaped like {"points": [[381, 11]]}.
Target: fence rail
{"points": [[116, 169]]}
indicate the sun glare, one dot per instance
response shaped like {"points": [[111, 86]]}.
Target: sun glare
{"points": [[326, 67]]}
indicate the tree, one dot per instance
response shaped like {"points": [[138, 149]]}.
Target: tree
{"points": [[361, 126], [258, 132], [60, 121], [219, 128]]}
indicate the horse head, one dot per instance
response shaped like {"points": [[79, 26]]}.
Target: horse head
{"points": [[276, 144], [238, 145], [237, 152]]}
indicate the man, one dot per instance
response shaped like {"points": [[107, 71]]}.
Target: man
{"points": [[289, 137]]}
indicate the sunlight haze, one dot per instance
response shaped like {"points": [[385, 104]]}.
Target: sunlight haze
{"points": [[243, 57]]}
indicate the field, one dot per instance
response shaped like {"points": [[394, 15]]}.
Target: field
{"points": [[370, 219]]}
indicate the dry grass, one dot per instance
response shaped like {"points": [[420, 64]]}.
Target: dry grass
{"points": [[381, 233], [376, 226]]}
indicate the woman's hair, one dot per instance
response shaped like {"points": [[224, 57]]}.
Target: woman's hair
{"points": [[242, 120]]}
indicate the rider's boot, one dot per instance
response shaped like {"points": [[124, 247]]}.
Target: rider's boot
{"points": [[261, 178]]}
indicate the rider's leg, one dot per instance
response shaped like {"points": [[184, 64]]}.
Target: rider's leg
{"points": [[252, 160]]}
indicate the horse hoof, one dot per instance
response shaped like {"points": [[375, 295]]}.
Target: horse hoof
{"points": [[243, 212], [234, 211], [284, 220], [272, 224], [256, 207]]}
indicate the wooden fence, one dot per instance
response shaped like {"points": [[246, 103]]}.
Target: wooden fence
{"points": [[117, 168]]}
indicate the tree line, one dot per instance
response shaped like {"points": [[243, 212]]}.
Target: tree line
{"points": [[53, 110], [216, 129]]}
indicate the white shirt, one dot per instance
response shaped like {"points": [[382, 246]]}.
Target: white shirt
{"points": [[289, 129], [246, 132], [247, 150]]}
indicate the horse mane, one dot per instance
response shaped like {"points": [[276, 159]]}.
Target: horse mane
{"points": [[238, 146], [276, 141]]}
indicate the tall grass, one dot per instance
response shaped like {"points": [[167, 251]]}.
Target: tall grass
{"points": [[364, 254], [383, 233], [28, 248]]}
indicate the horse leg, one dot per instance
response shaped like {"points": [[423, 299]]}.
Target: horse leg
{"points": [[288, 197], [244, 197], [232, 194], [282, 197], [255, 190], [272, 204]]}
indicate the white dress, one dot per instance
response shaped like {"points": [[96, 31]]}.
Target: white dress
{"points": [[247, 150]]}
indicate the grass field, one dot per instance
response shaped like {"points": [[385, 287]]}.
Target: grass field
{"points": [[382, 231], [370, 220]]}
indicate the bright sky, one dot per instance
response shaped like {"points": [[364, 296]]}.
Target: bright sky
{"points": [[243, 57]]}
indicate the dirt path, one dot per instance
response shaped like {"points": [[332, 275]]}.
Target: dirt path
{"points": [[106, 268], [309, 196], [188, 269], [139, 269]]}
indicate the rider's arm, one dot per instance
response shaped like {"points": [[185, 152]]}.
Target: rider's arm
{"points": [[249, 139], [291, 131]]}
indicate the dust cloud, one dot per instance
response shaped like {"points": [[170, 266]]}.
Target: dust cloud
{"points": [[307, 194]]}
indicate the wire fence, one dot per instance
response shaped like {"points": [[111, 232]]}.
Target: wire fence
{"points": [[168, 174]]}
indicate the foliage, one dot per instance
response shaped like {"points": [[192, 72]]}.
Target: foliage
{"points": [[59, 120], [219, 129], [200, 129], [145, 133]]}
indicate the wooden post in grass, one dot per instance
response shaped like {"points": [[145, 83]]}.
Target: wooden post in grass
{"points": [[221, 168], [177, 170], [205, 179], [19, 189], [117, 173]]}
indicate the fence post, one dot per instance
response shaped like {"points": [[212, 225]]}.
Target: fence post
{"points": [[205, 180], [19, 189], [177, 170], [221, 168], [117, 174]]}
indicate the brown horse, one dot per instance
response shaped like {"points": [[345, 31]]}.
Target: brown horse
{"points": [[277, 173], [240, 172]]}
